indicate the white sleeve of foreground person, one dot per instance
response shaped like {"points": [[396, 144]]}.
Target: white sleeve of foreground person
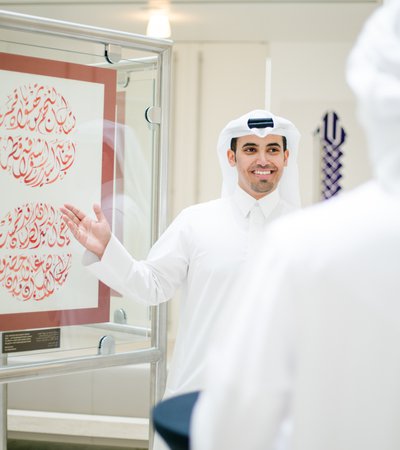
{"points": [[247, 390]]}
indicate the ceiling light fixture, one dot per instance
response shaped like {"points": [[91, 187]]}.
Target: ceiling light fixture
{"points": [[158, 26]]}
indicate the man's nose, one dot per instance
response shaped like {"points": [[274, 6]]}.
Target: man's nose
{"points": [[263, 159]]}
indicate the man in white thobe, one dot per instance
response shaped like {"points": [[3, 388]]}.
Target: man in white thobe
{"points": [[317, 335], [204, 248]]}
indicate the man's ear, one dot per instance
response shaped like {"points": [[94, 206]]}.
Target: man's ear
{"points": [[231, 157], [286, 156]]}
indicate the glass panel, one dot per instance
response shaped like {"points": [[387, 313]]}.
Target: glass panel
{"points": [[134, 162]]}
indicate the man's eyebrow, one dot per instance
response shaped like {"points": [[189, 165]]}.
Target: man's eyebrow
{"points": [[250, 144], [270, 144], [274, 144]]}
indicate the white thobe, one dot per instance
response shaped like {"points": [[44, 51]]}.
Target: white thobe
{"points": [[317, 340], [202, 251]]}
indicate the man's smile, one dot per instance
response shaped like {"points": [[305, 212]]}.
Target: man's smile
{"points": [[262, 172]]}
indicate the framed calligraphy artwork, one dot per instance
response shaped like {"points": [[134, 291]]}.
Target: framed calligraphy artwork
{"points": [[56, 147]]}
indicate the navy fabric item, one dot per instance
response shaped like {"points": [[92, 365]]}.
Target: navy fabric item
{"points": [[261, 123], [171, 419]]}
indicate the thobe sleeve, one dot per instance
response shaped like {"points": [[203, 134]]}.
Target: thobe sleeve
{"points": [[153, 280], [248, 385]]}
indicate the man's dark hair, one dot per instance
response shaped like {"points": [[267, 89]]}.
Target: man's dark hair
{"points": [[234, 143]]}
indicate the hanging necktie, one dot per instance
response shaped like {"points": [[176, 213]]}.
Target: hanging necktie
{"points": [[256, 226]]}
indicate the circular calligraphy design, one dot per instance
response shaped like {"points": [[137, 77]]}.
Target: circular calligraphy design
{"points": [[36, 129], [29, 271]]}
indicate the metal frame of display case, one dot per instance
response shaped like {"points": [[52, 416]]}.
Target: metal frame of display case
{"points": [[156, 353]]}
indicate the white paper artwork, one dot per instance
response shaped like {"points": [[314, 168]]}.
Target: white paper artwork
{"points": [[47, 158]]}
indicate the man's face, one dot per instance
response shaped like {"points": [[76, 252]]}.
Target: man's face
{"points": [[259, 162]]}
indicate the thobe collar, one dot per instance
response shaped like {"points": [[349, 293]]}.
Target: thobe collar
{"points": [[246, 202]]}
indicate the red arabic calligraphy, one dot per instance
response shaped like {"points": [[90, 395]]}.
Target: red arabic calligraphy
{"points": [[34, 277], [34, 124], [36, 162], [37, 108], [33, 225]]}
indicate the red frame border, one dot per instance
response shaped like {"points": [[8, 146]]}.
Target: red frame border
{"points": [[62, 69]]}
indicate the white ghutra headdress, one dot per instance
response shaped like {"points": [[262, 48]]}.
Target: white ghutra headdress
{"points": [[261, 123]]}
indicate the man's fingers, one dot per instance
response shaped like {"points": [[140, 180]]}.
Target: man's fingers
{"points": [[70, 224], [76, 231], [75, 211], [69, 216], [99, 213]]}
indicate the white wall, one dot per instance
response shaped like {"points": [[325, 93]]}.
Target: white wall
{"points": [[307, 80]]}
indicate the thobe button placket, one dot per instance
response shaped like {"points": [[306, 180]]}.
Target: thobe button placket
{"points": [[256, 226]]}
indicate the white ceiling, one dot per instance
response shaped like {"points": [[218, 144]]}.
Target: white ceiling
{"points": [[223, 20]]}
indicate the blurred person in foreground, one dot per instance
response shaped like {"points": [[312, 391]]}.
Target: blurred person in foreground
{"points": [[316, 337]]}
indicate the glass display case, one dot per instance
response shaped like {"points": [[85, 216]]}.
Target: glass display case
{"points": [[84, 119]]}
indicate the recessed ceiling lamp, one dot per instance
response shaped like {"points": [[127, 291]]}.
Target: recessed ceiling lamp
{"points": [[159, 26]]}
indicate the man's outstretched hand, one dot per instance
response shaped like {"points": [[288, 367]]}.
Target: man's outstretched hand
{"points": [[92, 234]]}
